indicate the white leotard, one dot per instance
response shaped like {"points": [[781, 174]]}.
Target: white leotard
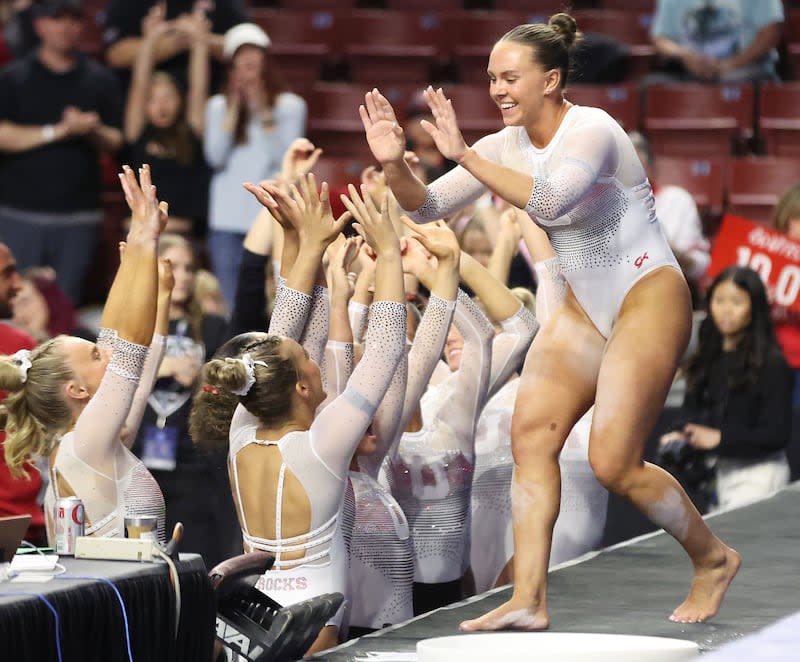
{"points": [[110, 480], [318, 458], [590, 195], [381, 569], [431, 472]]}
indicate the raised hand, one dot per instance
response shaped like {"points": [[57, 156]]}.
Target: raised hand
{"points": [[154, 24], [340, 265], [166, 279], [148, 215], [278, 203], [445, 131], [373, 225], [299, 160], [416, 259], [438, 239], [318, 222], [384, 135]]}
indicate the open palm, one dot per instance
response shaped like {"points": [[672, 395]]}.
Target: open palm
{"points": [[384, 135]]}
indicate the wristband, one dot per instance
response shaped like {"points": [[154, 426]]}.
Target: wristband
{"points": [[48, 133]]}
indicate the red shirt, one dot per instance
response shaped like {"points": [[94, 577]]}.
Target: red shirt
{"points": [[18, 495], [787, 329]]}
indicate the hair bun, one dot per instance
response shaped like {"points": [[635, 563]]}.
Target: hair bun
{"points": [[565, 26]]}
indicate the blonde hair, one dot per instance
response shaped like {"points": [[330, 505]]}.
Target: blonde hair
{"points": [[788, 207], [36, 409], [526, 297], [206, 285]]}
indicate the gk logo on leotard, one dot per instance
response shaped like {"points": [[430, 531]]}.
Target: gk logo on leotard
{"points": [[639, 261]]}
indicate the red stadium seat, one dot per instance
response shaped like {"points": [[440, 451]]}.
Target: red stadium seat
{"points": [[478, 115], [472, 36], [639, 6], [301, 41], [756, 184], [703, 178], [340, 172], [779, 120], [334, 123], [393, 46], [698, 120], [622, 102], [317, 4], [425, 5]]}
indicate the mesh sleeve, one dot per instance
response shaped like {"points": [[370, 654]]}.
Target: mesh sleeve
{"points": [[358, 320], [128, 358], [387, 421], [458, 188], [97, 430], [510, 346], [337, 430], [586, 153], [337, 366], [471, 380], [149, 373], [106, 338], [315, 334], [426, 351], [290, 313]]}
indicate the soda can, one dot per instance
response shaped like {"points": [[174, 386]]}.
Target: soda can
{"points": [[70, 519]]}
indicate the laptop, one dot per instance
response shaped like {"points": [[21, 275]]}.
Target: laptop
{"points": [[12, 530]]}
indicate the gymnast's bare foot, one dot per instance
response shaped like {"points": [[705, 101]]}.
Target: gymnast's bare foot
{"points": [[709, 585], [512, 615]]}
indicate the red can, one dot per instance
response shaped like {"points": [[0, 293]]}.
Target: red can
{"points": [[70, 519]]}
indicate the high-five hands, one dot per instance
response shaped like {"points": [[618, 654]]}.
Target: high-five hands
{"points": [[148, 215], [445, 131]]}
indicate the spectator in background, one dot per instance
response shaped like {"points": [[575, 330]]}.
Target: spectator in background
{"points": [[19, 37], [679, 218], [42, 309], [194, 483], [738, 400], [208, 293], [717, 40], [57, 110], [248, 130], [787, 321], [164, 125], [17, 496], [123, 35]]}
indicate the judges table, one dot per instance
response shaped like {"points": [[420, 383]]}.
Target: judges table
{"points": [[84, 619]]}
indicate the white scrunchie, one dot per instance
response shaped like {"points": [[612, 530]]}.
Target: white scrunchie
{"points": [[23, 359], [250, 368]]}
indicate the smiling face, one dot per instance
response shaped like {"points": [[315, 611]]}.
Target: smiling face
{"points": [[453, 347], [518, 84], [731, 309]]}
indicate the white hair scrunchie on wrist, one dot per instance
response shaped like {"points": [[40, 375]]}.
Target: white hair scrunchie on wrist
{"points": [[23, 359], [250, 368]]}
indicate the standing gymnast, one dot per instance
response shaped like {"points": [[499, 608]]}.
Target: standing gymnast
{"points": [[615, 340]]}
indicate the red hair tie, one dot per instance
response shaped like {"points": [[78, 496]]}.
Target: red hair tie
{"points": [[213, 390]]}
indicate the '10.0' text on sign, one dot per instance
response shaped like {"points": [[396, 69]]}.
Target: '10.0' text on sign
{"points": [[772, 254]]}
